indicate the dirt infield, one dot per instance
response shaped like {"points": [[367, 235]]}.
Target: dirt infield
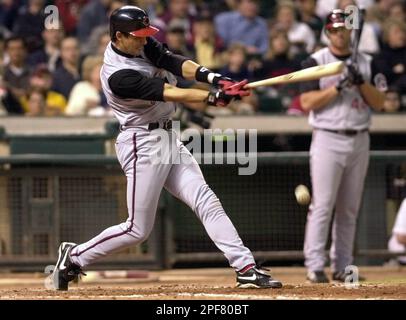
{"points": [[213, 284]]}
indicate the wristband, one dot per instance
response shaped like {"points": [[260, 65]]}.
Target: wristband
{"points": [[205, 75]]}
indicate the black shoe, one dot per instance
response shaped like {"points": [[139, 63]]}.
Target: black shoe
{"points": [[341, 276], [317, 277], [256, 278], [65, 270]]}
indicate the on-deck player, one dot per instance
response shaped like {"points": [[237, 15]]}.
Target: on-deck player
{"points": [[138, 81], [340, 109]]}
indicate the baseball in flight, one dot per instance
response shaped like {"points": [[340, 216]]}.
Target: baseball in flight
{"points": [[302, 195]]}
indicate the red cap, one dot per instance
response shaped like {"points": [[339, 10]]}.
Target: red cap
{"points": [[145, 32]]}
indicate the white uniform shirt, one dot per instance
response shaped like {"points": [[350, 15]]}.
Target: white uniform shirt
{"points": [[133, 112], [348, 111]]}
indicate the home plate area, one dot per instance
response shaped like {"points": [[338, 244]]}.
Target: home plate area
{"points": [[203, 284]]}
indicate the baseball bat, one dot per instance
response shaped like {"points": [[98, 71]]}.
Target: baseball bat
{"points": [[357, 37], [307, 74]]}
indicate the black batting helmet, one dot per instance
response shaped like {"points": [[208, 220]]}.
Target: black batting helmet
{"points": [[336, 19], [132, 20]]}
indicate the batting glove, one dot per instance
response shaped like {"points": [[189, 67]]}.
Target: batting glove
{"points": [[218, 98], [345, 82], [355, 75]]}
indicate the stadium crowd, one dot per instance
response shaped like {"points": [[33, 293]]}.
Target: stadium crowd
{"points": [[48, 72]]}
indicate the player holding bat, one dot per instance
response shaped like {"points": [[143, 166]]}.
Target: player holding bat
{"points": [[138, 79], [340, 110]]}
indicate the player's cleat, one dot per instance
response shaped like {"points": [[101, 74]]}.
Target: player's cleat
{"points": [[317, 277], [65, 270], [341, 276], [256, 278]]}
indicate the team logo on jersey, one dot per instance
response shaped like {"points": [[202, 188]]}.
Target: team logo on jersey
{"points": [[380, 82]]}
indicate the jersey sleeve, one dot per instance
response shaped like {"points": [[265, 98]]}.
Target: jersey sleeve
{"points": [[131, 84], [161, 57], [309, 85]]}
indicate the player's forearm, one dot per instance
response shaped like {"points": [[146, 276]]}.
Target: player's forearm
{"points": [[314, 100], [189, 69], [372, 96], [175, 94]]}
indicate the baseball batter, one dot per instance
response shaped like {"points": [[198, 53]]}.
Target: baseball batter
{"points": [[340, 109], [138, 79]]}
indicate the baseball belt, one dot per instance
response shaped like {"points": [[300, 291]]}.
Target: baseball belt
{"points": [[347, 132]]}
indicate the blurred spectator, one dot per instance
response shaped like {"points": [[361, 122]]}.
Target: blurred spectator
{"points": [[236, 67], [8, 102], [90, 47], [176, 40], [219, 6], [208, 46], [36, 103], [17, 72], [93, 14], [365, 3], [7, 8], [41, 79], [392, 101], [279, 61], [392, 59], [104, 40], [3, 111], [398, 11], [2, 52], [181, 13], [8, 13], [379, 13], [67, 74], [30, 23], [50, 51], [307, 13], [69, 11], [154, 8], [87, 97], [244, 26], [300, 35]]}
